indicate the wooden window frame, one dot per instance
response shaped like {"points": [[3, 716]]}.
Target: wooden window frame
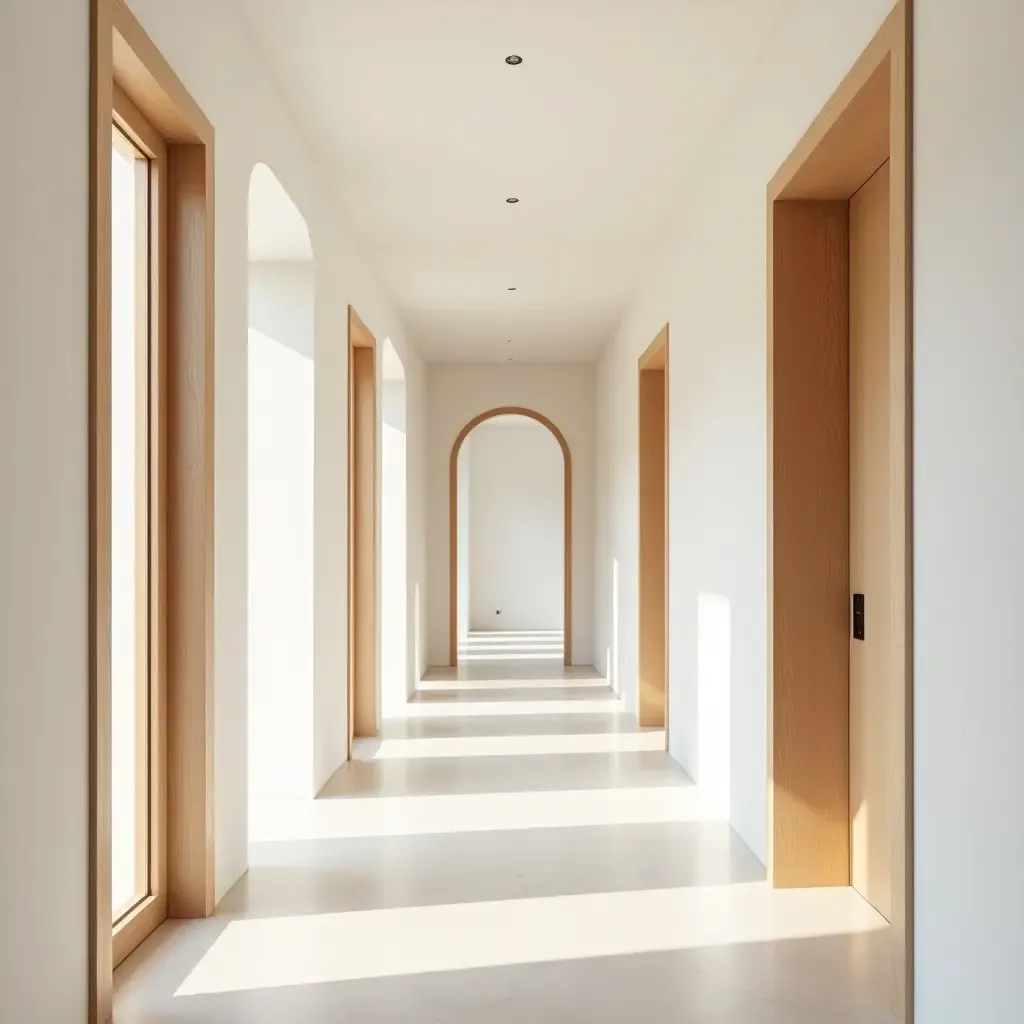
{"points": [[147, 145], [133, 87]]}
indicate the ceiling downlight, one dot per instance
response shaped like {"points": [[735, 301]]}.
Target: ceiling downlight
{"points": [[513, 59]]}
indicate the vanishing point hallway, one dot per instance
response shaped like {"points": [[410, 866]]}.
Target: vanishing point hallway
{"points": [[512, 848]]}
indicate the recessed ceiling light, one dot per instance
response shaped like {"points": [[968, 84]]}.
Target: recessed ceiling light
{"points": [[511, 199], [513, 58]]}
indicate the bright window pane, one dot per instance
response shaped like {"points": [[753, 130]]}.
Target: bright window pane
{"points": [[129, 532]]}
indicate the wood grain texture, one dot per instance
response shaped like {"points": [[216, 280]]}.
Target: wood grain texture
{"points": [[363, 582], [364, 517], [159, 448], [811, 513], [890, 56], [850, 138], [652, 521], [135, 927], [871, 719], [149, 81], [453, 527], [190, 533]]}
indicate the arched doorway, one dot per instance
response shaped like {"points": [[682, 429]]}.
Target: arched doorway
{"points": [[453, 526]]}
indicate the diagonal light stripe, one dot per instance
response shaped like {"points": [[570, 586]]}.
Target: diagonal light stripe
{"points": [[508, 746], [311, 950], [293, 820]]}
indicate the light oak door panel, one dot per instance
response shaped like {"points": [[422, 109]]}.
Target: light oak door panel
{"points": [[871, 668]]}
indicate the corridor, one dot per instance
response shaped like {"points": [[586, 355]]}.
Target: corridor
{"points": [[511, 848]]}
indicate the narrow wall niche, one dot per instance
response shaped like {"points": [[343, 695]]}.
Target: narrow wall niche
{"points": [[363, 582], [652, 520]]}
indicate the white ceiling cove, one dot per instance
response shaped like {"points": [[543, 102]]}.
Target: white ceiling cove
{"points": [[426, 130]]}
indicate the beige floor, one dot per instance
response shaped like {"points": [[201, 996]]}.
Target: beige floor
{"points": [[512, 849]]}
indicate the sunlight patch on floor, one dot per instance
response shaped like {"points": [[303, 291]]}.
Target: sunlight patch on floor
{"points": [[507, 746], [292, 820], [318, 949], [470, 708], [550, 682]]}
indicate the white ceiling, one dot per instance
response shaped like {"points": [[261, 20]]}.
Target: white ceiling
{"points": [[426, 130]]}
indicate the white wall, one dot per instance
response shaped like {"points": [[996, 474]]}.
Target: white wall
{"points": [[456, 392], [709, 284], [969, 511], [281, 556], [209, 48], [397, 671], [516, 521], [44, 589], [281, 302], [464, 482]]}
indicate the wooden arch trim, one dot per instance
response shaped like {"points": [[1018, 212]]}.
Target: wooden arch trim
{"points": [[453, 526]]}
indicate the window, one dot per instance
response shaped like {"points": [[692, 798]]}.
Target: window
{"points": [[131, 540], [136, 561], [151, 217]]}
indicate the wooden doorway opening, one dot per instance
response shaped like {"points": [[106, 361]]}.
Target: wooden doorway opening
{"points": [[652, 521], [839, 357], [363, 715], [453, 527]]}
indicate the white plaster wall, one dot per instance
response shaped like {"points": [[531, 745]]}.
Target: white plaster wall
{"points": [[465, 486], [709, 284], [282, 302], [969, 511], [44, 582], [281, 376], [210, 50], [456, 392], [397, 679], [516, 519]]}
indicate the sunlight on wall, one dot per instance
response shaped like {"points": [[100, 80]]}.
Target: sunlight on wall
{"points": [[613, 676], [417, 628], [281, 473], [714, 694], [463, 479], [309, 950], [280, 569], [394, 667]]}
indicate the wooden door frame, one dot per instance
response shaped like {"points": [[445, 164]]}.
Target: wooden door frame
{"points": [[362, 596], [652, 559], [132, 83], [867, 120], [453, 527]]}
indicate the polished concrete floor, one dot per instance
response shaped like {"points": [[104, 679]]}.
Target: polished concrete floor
{"points": [[511, 848]]}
